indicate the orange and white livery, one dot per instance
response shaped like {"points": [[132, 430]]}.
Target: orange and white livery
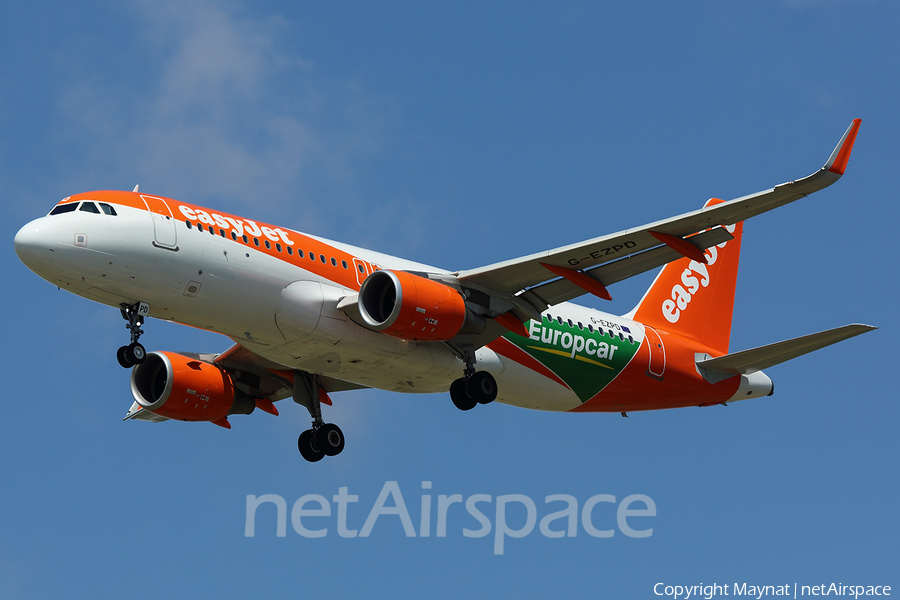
{"points": [[311, 317]]}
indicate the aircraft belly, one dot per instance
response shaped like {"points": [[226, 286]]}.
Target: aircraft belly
{"points": [[420, 368], [637, 388], [522, 387], [240, 307]]}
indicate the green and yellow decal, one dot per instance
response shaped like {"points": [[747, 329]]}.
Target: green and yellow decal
{"points": [[583, 359]]}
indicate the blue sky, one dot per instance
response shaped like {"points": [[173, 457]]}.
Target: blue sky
{"points": [[457, 135]]}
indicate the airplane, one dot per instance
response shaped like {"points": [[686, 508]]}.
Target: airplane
{"points": [[310, 317]]}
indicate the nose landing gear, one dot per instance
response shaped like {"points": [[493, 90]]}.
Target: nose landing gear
{"points": [[134, 353]]}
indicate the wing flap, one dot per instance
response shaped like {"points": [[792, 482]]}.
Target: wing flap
{"points": [[757, 359]]}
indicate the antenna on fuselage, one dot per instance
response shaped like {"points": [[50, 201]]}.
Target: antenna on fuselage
{"points": [[136, 188]]}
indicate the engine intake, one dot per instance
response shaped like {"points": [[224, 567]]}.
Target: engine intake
{"points": [[180, 387], [410, 307]]}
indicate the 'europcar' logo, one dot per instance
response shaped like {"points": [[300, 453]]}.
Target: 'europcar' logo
{"points": [[683, 294]]}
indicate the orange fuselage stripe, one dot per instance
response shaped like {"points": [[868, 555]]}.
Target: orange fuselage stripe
{"points": [[223, 224]]}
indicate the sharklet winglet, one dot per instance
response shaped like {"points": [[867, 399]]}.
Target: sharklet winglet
{"points": [[838, 160]]}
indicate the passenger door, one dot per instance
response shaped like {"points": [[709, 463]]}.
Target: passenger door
{"points": [[164, 233]]}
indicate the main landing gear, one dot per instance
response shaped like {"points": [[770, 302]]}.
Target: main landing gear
{"points": [[474, 387], [134, 353], [323, 439]]}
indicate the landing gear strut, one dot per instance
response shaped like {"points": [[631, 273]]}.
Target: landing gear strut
{"points": [[134, 353], [323, 439], [474, 387]]}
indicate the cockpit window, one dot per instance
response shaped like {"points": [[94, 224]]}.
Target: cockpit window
{"points": [[64, 208], [108, 209], [89, 207]]}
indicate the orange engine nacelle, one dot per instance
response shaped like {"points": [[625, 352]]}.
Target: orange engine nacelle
{"points": [[183, 388], [410, 307]]}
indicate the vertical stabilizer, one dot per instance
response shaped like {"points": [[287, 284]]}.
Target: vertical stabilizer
{"points": [[696, 300]]}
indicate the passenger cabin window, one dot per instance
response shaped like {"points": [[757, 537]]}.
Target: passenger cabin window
{"points": [[64, 208], [107, 209], [89, 207], [290, 251]]}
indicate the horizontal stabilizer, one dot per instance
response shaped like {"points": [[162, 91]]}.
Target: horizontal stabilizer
{"points": [[757, 359]]}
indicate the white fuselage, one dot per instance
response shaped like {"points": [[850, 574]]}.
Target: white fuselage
{"points": [[272, 306]]}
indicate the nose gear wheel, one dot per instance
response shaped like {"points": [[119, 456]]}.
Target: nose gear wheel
{"points": [[134, 353]]}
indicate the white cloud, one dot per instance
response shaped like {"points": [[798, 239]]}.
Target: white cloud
{"points": [[228, 113]]}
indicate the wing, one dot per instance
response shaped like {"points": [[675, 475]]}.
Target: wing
{"points": [[263, 378], [254, 375], [530, 285]]}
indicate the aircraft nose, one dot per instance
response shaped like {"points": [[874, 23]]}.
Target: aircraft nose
{"points": [[36, 243]]}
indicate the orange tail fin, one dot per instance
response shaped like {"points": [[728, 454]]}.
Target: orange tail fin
{"points": [[695, 300]]}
